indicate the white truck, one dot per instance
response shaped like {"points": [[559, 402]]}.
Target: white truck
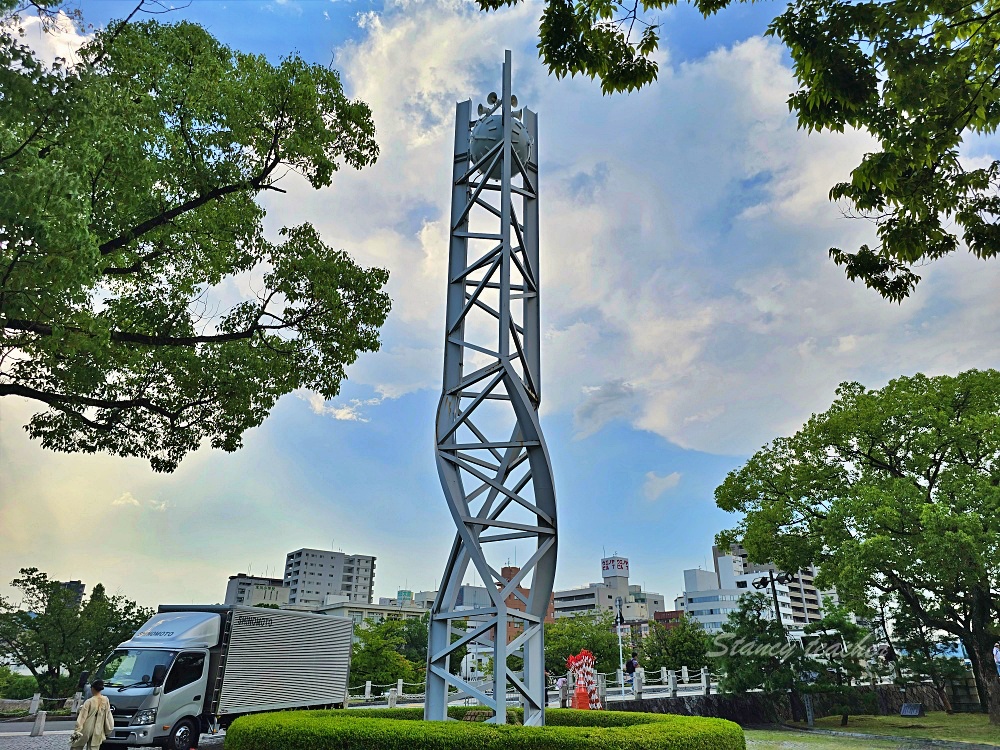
{"points": [[194, 669]]}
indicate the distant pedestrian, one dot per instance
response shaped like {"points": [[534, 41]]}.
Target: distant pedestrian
{"points": [[630, 666], [94, 721], [996, 655]]}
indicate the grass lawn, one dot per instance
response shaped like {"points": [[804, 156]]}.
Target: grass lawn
{"points": [[936, 725], [779, 740]]}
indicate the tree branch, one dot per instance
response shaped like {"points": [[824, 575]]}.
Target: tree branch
{"points": [[130, 337], [62, 400], [271, 162]]}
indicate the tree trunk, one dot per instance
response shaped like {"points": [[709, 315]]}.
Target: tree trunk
{"points": [[942, 690], [977, 671]]}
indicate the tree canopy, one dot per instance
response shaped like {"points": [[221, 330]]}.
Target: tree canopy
{"points": [[568, 636], [378, 656], [683, 645], [396, 649], [894, 493], [142, 304], [56, 636], [921, 77]]}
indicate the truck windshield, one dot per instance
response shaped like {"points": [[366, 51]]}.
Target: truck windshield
{"points": [[127, 667]]}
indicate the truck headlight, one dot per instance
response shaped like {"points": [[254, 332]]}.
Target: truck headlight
{"points": [[146, 716]]}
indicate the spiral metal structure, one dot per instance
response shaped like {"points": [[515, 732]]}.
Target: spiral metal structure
{"points": [[491, 455]]}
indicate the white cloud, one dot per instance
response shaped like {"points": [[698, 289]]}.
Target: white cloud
{"points": [[60, 38], [349, 412], [127, 499], [655, 485], [686, 284]]}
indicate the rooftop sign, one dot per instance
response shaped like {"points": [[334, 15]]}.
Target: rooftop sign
{"points": [[614, 566]]}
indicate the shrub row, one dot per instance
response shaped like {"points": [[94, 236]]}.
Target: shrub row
{"points": [[400, 729]]}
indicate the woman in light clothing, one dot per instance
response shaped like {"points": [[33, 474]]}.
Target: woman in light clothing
{"points": [[94, 722]]}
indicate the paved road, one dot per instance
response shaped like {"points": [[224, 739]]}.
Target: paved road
{"points": [[56, 737]]}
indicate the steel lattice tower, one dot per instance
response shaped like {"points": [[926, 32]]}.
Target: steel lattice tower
{"points": [[491, 456]]}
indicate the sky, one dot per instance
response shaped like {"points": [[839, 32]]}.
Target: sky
{"points": [[690, 313]]}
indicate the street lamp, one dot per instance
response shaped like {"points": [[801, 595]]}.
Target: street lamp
{"points": [[619, 624], [763, 583]]}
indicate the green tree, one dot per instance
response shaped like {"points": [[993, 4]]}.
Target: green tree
{"points": [[837, 652], [129, 218], [752, 651], [918, 76], [926, 654], [686, 644], [377, 655], [56, 637], [414, 646], [14, 686], [570, 635], [892, 493]]}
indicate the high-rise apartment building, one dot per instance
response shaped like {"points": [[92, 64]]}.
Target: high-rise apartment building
{"points": [[710, 596], [805, 599], [312, 575]]}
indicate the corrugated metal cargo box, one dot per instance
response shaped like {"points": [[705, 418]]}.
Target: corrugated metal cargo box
{"points": [[271, 659], [281, 659]]}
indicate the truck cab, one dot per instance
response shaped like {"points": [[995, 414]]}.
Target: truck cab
{"points": [[158, 681]]}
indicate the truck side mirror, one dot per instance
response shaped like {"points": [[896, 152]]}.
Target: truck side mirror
{"points": [[83, 681], [159, 672]]}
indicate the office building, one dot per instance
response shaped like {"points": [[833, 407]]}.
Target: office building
{"points": [[312, 575], [250, 591], [637, 605], [711, 595]]}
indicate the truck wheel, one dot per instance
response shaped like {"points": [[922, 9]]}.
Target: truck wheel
{"points": [[184, 736]]}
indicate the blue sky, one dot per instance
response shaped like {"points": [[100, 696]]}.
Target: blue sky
{"points": [[690, 313]]}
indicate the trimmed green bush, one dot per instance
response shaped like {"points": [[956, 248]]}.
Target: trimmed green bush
{"points": [[401, 729]]}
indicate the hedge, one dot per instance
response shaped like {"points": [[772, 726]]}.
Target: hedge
{"points": [[401, 729]]}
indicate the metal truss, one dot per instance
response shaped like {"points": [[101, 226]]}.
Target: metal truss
{"points": [[491, 456]]}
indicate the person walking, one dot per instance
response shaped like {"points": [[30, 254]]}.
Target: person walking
{"points": [[630, 666], [94, 721], [996, 655]]}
